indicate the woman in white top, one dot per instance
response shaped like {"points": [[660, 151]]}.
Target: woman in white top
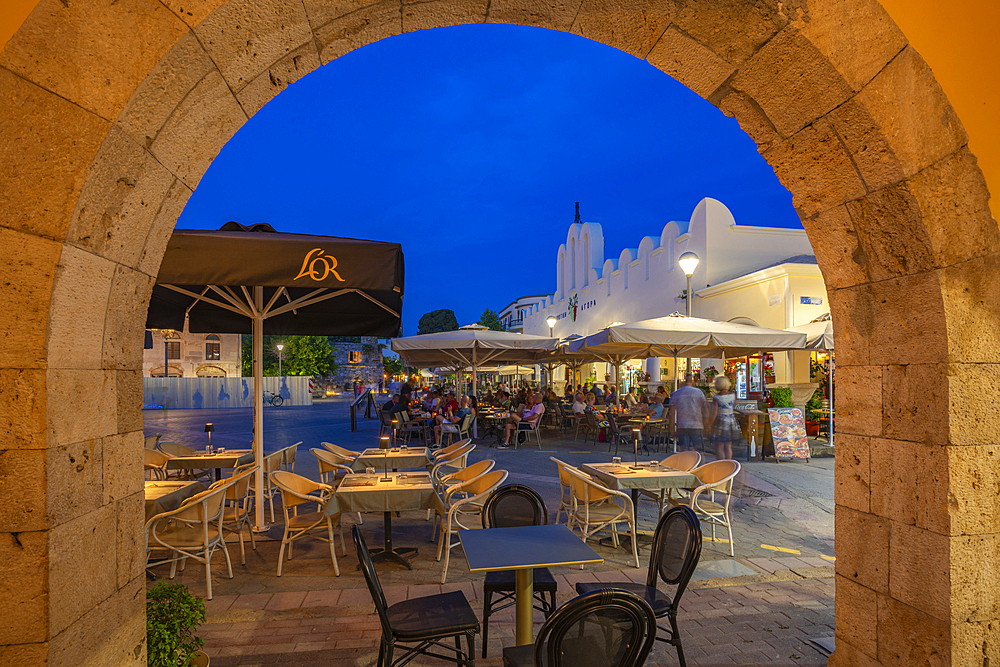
{"points": [[725, 428]]}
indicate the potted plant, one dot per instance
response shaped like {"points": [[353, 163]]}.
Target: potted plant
{"points": [[607, 377], [813, 417], [172, 616], [781, 397], [647, 377]]}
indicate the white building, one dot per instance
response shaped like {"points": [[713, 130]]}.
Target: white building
{"points": [[192, 355], [760, 275], [512, 315]]}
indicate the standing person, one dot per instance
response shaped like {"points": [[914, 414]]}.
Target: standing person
{"points": [[688, 410], [532, 415], [725, 428]]}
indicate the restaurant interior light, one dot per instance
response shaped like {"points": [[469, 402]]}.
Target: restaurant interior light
{"points": [[688, 262]]}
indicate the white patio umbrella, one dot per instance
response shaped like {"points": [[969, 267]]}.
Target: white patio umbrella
{"points": [[819, 336]]}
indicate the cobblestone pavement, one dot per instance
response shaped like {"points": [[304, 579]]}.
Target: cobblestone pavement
{"points": [[760, 607]]}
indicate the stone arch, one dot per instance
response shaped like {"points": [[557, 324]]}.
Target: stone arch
{"points": [[112, 112]]}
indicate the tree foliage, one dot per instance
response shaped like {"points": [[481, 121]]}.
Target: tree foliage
{"points": [[393, 366], [437, 320], [490, 320], [302, 355]]}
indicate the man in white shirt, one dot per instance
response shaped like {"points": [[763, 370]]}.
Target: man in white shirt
{"points": [[527, 421], [630, 399], [579, 405]]}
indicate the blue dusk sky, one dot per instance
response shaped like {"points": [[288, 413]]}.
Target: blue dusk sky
{"points": [[469, 146]]}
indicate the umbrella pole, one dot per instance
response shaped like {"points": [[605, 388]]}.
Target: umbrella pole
{"points": [[258, 407]]}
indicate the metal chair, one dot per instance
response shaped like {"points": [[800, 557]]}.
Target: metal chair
{"points": [[155, 463], [715, 477], [596, 507], [684, 461], [296, 491], [510, 506], [605, 628], [674, 557], [422, 621], [329, 465], [565, 491], [349, 454], [456, 501], [236, 505]]}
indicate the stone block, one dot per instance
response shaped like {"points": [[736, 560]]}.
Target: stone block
{"points": [[75, 479], [321, 12], [119, 200], [870, 151], [915, 403], [732, 29], [891, 233], [848, 655], [975, 643], [552, 14], [112, 633], [913, 112], [82, 566], [858, 37], [193, 12], [48, 143], [81, 405], [92, 53], [856, 613], [971, 302], [852, 473], [360, 28], [129, 390], [22, 409], [123, 461], [918, 569], [910, 636], [909, 483], [277, 77], [792, 81], [899, 336], [198, 129], [816, 168], [23, 585], [750, 117], [853, 324], [23, 488], [974, 489], [26, 277], [974, 578], [125, 320], [24, 654], [838, 252], [163, 225], [245, 37], [862, 548], [426, 15], [859, 400], [131, 537], [79, 308], [689, 62], [632, 26], [163, 89]]}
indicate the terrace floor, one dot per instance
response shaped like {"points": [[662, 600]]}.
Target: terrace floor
{"points": [[760, 607]]}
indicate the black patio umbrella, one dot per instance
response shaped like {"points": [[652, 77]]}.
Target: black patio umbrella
{"points": [[255, 280]]}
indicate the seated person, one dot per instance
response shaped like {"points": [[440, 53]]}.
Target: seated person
{"points": [[597, 391], [449, 404], [610, 395], [579, 406], [656, 411], [630, 399], [527, 420], [390, 404], [450, 421]]}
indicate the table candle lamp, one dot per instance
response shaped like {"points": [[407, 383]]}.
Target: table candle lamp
{"points": [[209, 428], [635, 437], [384, 446]]}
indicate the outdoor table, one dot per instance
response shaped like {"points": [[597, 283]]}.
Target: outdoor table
{"points": [[492, 424], [522, 549], [380, 459], [165, 496], [368, 493], [231, 458]]}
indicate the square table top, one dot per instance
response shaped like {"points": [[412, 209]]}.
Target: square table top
{"points": [[166, 495], [622, 476], [368, 493], [231, 458], [411, 457], [524, 547]]}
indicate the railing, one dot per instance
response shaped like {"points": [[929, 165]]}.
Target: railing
{"points": [[514, 323], [366, 395]]}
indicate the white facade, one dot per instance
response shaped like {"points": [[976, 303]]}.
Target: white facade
{"points": [[513, 314], [593, 291], [193, 355]]}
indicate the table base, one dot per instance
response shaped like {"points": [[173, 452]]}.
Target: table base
{"points": [[388, 553]]}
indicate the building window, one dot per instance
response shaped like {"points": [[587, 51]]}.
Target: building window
{"points": [[354, 357], [213, 348], [173, 349]]}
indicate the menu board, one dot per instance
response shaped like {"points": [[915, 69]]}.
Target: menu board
{"points": [[788, 430]]}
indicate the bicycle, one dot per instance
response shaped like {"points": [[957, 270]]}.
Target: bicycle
{"points": [[274, 399]]}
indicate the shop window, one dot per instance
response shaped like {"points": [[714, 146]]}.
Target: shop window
{"points": [[173, 349], [354, 357], [213, 348]]}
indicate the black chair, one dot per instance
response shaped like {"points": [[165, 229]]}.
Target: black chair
{"points": [[424, 621], [603, 628], [510, 506], [675, 554]]}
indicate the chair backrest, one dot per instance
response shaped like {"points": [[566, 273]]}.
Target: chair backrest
{"points": [[288, 456], [564, 480], [584, 488], [676, 550], [174, 449], [272, 462], [591, 418], [151, 457], [340, 451], [603, 628], [151, 440], [514, 505], [371, 578], [473, 471], [466, 423], [683, 460], [456, 457], [446, 451], [295, 489], [330, 462], [719, 474]]}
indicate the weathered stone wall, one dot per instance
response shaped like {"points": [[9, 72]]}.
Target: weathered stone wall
{"points": [[368, 371], [112, 110]]}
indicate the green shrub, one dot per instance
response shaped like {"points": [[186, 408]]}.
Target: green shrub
{"points": [[815, 403], [782, 397], [172, 616]]}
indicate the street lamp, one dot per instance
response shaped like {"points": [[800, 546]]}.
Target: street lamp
{"points": [[551, 321], [281, 346], [688, 262]]}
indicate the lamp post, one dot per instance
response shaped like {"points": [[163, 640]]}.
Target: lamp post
{"points": [[209, 428], [688, 263], [281, 346], [551, 321]]}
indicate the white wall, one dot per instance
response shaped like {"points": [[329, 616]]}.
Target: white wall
{"points": [[217, 392]]}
